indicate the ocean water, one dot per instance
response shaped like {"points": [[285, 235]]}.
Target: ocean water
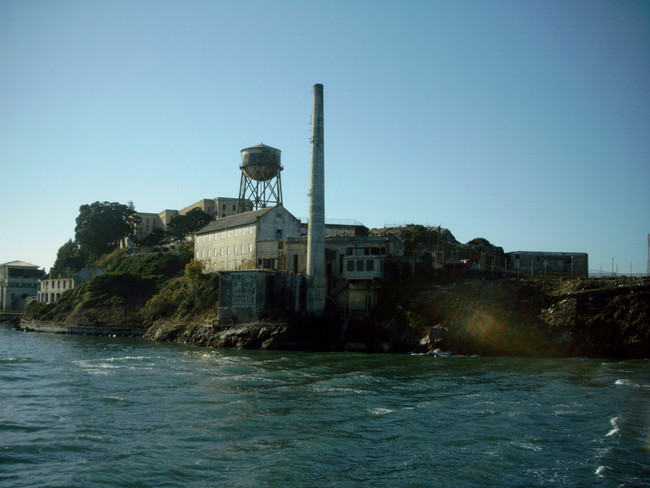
{"points": [[107, 412]]}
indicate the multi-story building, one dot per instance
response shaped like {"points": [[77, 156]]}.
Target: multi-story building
{"points": [[148, 223], [270, 240], [538, 263], [233, 242], [217, 208], [18, 283], [50, 288]]}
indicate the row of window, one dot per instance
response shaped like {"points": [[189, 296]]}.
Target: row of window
{"points": [[61, 284], [224, 251], [361, 265], [223, 234], [47, 297], [365, 251]]}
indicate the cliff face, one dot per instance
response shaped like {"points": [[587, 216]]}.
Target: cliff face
{"points": [[581, 317], [603, 318]]}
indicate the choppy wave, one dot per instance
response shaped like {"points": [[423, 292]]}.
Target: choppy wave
{"points": [[631, 384], [107, 412]]}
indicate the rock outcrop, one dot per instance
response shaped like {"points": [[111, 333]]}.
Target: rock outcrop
{"points": [[607, 318]]}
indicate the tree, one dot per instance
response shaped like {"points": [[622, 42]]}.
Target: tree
{"points": [[101, 226], [183, 225], [157, 237], [69, 260], [479, 241]]}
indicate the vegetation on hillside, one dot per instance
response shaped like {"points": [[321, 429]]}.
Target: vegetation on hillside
{"points": [[102, 226], [136, 291]]}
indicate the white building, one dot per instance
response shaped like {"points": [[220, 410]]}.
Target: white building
{"points": [[50, 289], [232, 243], [18, 283]]}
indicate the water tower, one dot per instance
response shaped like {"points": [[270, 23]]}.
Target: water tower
{"points": [[260, 177]]}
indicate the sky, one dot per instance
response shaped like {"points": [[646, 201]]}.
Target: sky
{"points": [[523, 122]]}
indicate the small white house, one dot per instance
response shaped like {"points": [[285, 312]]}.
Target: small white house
{"points": [[50, 289]]}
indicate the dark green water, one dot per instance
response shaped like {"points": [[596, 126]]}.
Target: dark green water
{"points": [[106, 412]]}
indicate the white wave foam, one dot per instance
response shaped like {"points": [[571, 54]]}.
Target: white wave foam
{"points": [[130, 358], [615, 427], [600, 470], [626, 382], [381, 411]]}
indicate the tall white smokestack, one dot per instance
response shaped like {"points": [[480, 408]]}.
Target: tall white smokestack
{"points": [[316, 233]]}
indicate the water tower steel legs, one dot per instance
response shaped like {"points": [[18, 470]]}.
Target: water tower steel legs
{"points": [[317, 290]]}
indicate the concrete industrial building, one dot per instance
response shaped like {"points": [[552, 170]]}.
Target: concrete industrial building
{"points": [[217, 208], [18, 284], [235, 242], [538, 263], [263, 253]]}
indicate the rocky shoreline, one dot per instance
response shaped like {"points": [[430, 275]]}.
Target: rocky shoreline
{"points": [[599, 318], [61, 328]]}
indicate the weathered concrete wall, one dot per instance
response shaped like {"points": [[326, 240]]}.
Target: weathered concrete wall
{"points": [[249, 296], [242, 296]]}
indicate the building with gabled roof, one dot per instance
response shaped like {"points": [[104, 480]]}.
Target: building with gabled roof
{"points": [[231, 243]]}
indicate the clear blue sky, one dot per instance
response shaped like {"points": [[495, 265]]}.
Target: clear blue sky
{"points": [[523, 122]]}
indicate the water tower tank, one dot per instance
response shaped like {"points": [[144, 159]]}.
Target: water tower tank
{"points": [[261, 162]]}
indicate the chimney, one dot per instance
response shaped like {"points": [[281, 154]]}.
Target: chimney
{"points": [[317, 284]]}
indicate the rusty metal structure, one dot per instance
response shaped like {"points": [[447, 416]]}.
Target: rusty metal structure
{"points": [[261, 182]]}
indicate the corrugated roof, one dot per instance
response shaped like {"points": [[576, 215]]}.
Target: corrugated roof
{"points": [[238, 220]]}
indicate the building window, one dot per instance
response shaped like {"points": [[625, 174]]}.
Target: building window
{"points": [[350, 265], [278, 233], [360, 265], [370, 265]]}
